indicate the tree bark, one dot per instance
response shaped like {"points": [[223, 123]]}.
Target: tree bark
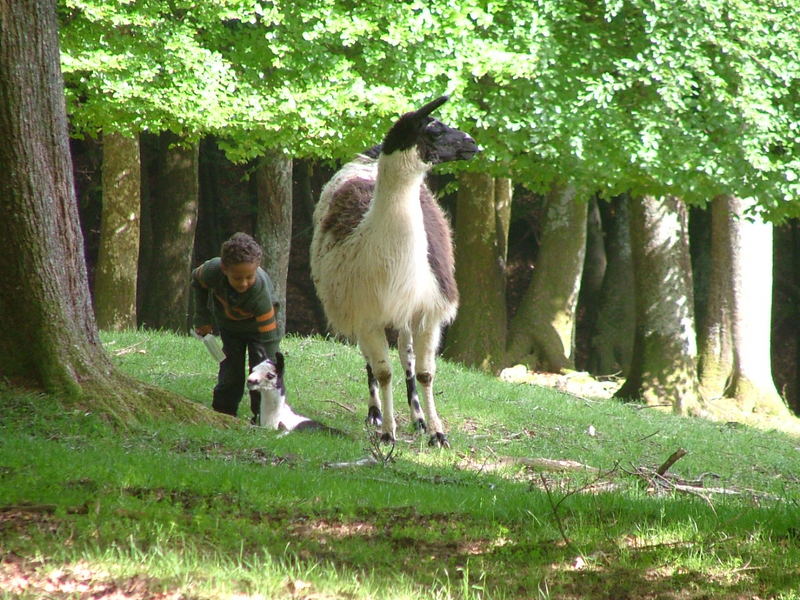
{"points": [[172, 221], [44, 301], [118, 258], [664, 367], [750, 247], [715, 364], [49, 335], [589, 299], [542, 333], [478, 335], [612, 338], [274, 223]]}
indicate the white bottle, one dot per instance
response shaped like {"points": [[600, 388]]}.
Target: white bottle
{"points": [[212, 345]]}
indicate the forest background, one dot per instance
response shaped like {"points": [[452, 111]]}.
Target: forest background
{"points": [[620, 219]]}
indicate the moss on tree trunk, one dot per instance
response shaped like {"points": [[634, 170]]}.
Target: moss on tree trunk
{"points": [[715, 341], [542, 333], [664, 367], [478, 335], [118, 258], [274, 222]]}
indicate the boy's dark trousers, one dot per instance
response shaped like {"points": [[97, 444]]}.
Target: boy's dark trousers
{"points": [[230, 381]]}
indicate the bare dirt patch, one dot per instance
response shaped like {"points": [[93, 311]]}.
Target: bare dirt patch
{"points": [[27, 578]]}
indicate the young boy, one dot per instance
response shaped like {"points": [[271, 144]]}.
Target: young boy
{"points": [[235, 293]]}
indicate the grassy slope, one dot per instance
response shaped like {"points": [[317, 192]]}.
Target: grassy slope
{"points": [[211, 512]]}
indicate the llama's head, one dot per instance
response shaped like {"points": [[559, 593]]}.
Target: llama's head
{"points": [[267, 375], [434, 141]]}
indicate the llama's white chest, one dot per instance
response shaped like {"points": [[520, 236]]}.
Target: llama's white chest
{"points": [[379, 275], [272, 409]]}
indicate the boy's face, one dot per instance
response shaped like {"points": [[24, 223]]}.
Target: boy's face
{"points": [[241, 276]]}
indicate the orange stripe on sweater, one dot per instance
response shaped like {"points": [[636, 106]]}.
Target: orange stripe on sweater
{"points": [[266, 316], [268, 327]]}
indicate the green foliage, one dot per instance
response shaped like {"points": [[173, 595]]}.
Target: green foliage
{"points": [[694, 99], [210, 512]]}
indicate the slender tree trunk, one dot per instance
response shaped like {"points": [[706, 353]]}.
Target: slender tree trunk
{"points": [[503, 197], [664, 367], [118, 259], [478, 335], [716, 343], [171, 221], [49, 335], [751, 302], [595, 265], [543, 330], [612, 339], [274, 222]]}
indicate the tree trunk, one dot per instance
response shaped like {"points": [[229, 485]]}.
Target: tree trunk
{"points": [[612, 339], [750, 246], [49, 335], [478, 335], [274, 223], [716, 345], [118, 259], [171, 223], [595, 264], [664, 367], [503, 197], [542, 332]]}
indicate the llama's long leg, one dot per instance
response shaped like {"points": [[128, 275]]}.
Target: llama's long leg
{"points": [[374, 416], [426, 342], [376, 350], [405, 345]]}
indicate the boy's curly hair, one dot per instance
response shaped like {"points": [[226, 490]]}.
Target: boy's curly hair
{"points": [[240, 248]]}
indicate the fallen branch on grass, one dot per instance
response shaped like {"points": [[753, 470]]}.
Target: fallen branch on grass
{"points": [[130, 350], [536, 464], [659, 481]]}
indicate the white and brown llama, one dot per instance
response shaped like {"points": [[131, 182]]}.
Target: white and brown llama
{"points": [[382, 258]]}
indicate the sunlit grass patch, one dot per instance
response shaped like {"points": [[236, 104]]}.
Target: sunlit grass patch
{"points": [[191, 509]]}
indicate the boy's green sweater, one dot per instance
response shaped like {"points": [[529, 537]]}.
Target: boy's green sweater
{"points": [[216, 302]]}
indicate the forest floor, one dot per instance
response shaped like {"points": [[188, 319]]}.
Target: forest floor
{"points": [[543, 494], [583, 385]]}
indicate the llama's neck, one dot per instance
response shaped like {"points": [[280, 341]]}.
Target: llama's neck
{"points": [[399, 178]]}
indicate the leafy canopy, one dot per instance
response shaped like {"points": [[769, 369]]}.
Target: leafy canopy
{"points": [[694, 99]]}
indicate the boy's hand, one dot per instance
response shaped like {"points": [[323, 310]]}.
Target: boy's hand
{"points": [[203, 330]]}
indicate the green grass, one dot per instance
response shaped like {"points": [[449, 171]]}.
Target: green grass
{"points": [[211, 513]]}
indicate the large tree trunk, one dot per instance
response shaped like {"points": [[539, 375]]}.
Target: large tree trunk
{"points": [[751, 302], [118, 259], [612, 339], [542, 333], [478, 335], [49, 335], [716, 344], [172, 220], [664, 367], [274, 222]]}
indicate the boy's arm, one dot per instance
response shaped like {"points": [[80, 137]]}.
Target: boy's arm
{"points": [[202, 319], [267, 323], [266, 312]]}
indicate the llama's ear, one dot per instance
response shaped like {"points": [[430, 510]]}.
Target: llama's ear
{"points": [[279, 363], [431, 106], [404, 134]]}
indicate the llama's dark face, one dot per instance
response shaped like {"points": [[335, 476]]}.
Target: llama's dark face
{"points": [[439, 143], [267, 375], [434, 141]]}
